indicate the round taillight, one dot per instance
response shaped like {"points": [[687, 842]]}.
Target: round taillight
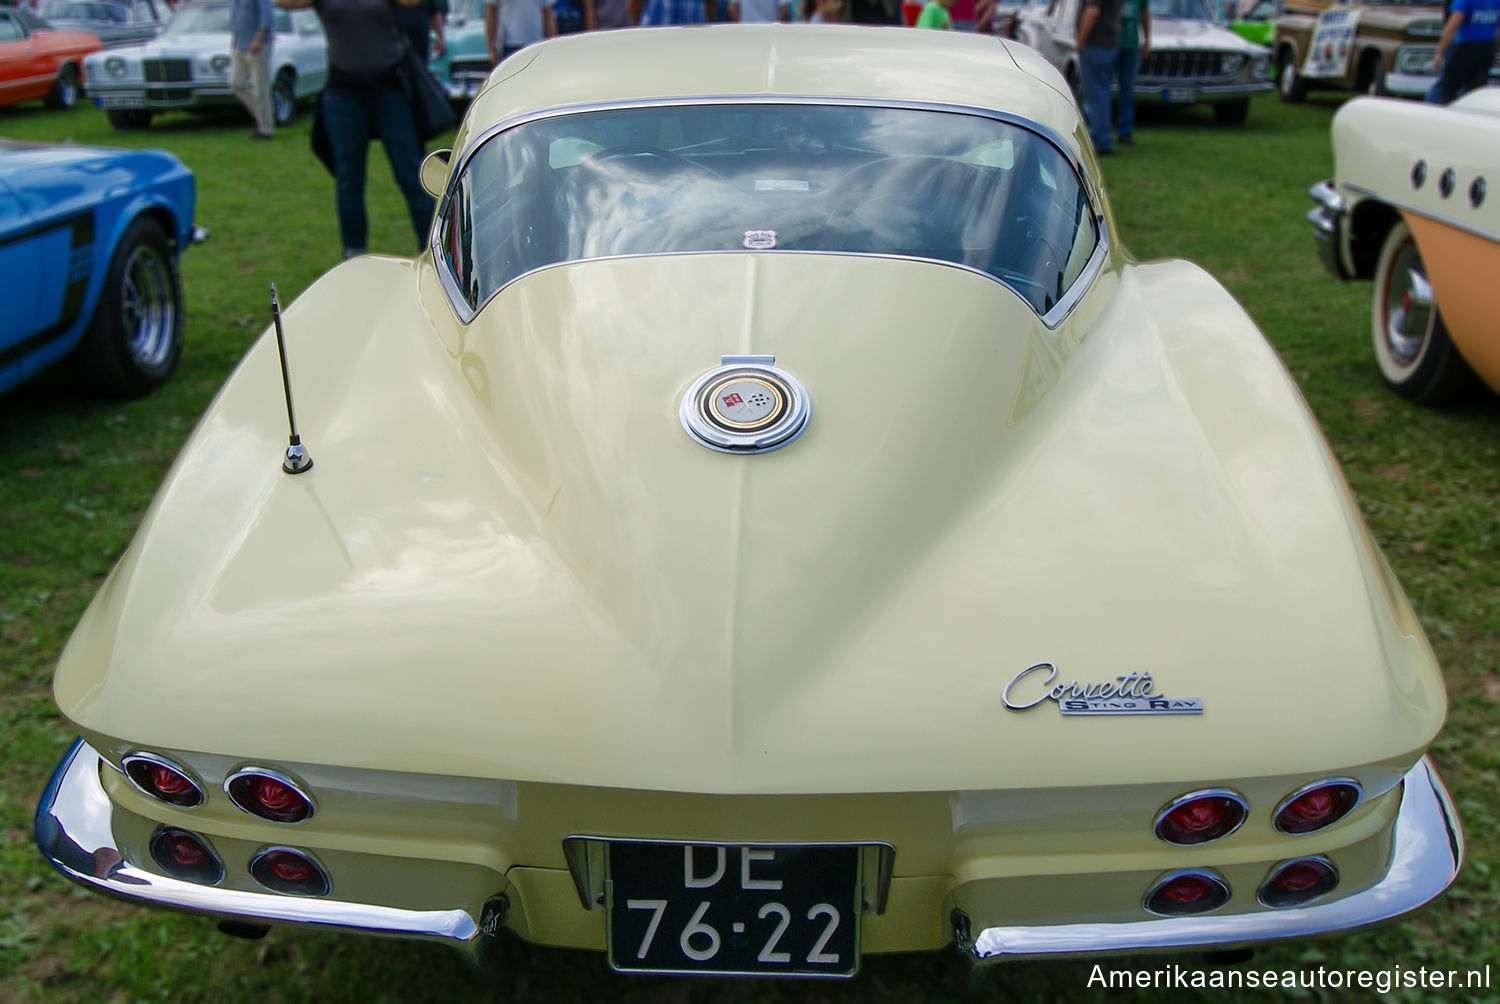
{"points": [[1296, 882], [1201, 816], [186, 856], [290, 871], [269, 795], [1317, 805], [163, 780], [1183, 894]]}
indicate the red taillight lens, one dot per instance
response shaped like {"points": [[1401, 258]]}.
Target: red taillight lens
{"points": [[1201, 816], [1317, 806], [1183, 894], [163, 780], [269, 796], [186, 856], [1298, 882], [285, 870]]}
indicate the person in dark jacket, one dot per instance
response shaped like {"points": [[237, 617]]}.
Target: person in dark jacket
{"points": [[365, 98]]}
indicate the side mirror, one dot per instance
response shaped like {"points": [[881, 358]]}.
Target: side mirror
{"points": [[435, 172]]}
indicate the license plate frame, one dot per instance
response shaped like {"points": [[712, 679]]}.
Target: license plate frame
{"points": [[715, 909], [1179, 95], [129, 99]]}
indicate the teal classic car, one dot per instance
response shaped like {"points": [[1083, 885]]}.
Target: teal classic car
{"points": [[465, 59]]}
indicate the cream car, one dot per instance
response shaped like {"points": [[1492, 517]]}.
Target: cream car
{"points": [[1410, 209], [774, 522]]}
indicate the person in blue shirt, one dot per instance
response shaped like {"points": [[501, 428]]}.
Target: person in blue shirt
{"points": [[1466, 51], [251, 35]]}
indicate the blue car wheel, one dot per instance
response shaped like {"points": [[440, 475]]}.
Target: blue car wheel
{"points": [[133, 342]]}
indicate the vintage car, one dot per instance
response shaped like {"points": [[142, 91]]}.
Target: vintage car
{"points": [[1375, 46], [186, 68], [1409, 208], [773, 522], [1256, 22], [1192, 60], [465, 60], [116, 22], [89, 242], [40, 61]]}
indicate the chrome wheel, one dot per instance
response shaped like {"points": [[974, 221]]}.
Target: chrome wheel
{"points": [[283, 100], [1416, 357], [1406, 319], [148, 307]]}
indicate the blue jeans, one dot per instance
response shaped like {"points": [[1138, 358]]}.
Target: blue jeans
{"points": [[1096, 69], [1126, 63], [352, 117], [1466, 66]]}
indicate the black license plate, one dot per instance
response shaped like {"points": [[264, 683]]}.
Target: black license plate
{"points": [[731, 909]]}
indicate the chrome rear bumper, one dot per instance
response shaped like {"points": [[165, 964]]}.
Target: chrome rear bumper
{"points": [[1425, 857], [1327, 218], [74, 833]]}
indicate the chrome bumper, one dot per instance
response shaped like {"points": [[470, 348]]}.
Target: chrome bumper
{"points": [[1426, 853], [74, 832], [1327, 220]]}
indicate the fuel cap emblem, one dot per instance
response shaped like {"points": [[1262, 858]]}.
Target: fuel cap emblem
{"points": [[746, 405]]}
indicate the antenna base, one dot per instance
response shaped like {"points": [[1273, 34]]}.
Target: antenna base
{"points": [[297, 460]]}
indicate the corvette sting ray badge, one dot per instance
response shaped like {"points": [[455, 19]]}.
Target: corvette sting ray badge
{"points": [[1131, 694]]}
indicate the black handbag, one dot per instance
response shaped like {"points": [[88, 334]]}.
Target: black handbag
{"points": [[429, 102]]}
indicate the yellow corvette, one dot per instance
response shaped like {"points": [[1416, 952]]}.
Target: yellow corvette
{"points": [[775, 521]]}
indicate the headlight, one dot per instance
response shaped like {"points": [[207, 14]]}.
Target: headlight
{"points": [[219, 64], [114, 66], [1231, 63], [1260, 68], [1416, 59]]}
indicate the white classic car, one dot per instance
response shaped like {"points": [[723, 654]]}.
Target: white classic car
{"points": [[1409, 208], [187, 67], [774, 521], [1192, 59]]}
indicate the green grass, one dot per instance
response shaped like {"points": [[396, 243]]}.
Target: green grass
{"points": [[76, 475]]}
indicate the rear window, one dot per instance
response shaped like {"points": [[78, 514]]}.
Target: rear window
{"points": [[948, 186]]}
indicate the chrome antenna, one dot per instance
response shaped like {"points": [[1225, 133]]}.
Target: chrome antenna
{"points": [[297, 459]]}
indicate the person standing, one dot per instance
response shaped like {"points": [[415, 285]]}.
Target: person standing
{"points": [[658, 12], [250, 27], [760, 11], [365, 98], [511, 25], [1135, 48], [1098, 35], [606, 14], [1466, 51]]}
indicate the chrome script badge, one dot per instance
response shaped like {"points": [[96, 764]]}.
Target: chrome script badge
{"points": [[1132, 694]]}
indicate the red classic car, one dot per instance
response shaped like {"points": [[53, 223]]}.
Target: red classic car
{"points": [[38, 61]]}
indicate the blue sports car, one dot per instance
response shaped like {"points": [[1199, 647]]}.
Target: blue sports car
{"points": [[89, 245]]}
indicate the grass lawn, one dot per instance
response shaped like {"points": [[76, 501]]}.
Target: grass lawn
{"points": [[76, 475]]}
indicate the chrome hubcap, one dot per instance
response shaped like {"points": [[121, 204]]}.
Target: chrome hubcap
{"points": [[1408, 306], [283, 100], [148, 308]]}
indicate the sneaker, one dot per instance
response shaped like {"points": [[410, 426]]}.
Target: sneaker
{"points": [[257, 134]]}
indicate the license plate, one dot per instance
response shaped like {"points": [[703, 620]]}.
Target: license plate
{"points": [[122, 101], [734, 910], [1180, 95]]}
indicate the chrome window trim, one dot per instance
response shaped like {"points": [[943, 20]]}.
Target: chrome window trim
{"points": [[1203, 873], [162, 830], [145, 756], [1449, 221], [301, 852], [255, 770], [1359, 799], [1280, 866], [1180, 800], [465, 313]]}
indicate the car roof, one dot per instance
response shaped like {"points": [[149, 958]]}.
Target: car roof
{"points": [[775, 60]]}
